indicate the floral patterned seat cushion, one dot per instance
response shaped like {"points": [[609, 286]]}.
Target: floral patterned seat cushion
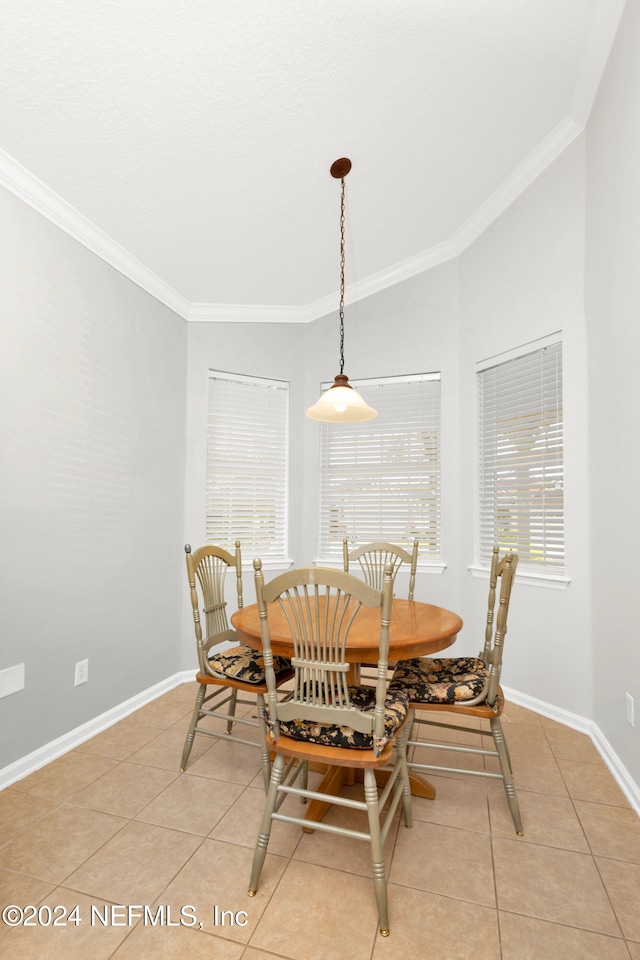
{"points": [[334, 735], [243, 663], [427, 680]]}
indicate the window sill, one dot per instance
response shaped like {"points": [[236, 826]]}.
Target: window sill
{"points": [[531, 578], [429, 568], [432, 567], [269, 563]]}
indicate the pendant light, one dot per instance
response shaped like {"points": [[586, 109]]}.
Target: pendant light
{"points": [[341, 403]]}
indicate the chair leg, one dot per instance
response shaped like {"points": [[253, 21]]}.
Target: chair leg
{"points": [[507, 775], [401, 747], [304, 779], [232, 709], [264, 750], [377, 858], [260, 852], [192, 728], [507, 754], [412, 731]]}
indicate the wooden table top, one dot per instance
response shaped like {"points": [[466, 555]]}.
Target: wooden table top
{"points": [[417, 629]]}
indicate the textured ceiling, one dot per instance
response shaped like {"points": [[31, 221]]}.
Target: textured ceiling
{"points": [[198, 135]]}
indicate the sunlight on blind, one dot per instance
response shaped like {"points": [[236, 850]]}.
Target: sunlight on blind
{"points": [[381, 478], [521, 504], [247, 464]]}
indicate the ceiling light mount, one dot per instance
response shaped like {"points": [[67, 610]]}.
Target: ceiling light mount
{"points": [[341, 403], [340, 168]]}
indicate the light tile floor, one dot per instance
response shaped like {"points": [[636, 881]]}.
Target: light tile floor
{"points": [[115, 825]]}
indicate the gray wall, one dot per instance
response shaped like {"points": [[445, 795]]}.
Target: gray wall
{"points": [[92, 420], [101, 483], [254, 349], [612, 309], [522, 280], [412, 327]]}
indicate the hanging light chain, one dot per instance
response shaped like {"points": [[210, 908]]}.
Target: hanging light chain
{"points": [[341, 403], [342, 277]]}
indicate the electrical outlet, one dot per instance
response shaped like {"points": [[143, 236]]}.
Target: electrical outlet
{"points": [[630, 709], [82, 672]]}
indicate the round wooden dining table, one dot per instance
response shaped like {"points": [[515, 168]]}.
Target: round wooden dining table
{"points": [[416, 629]]}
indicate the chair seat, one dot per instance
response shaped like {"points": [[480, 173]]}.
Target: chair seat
{"points": [[322, 757], [334, 735], [445, 680], [244, 663]]}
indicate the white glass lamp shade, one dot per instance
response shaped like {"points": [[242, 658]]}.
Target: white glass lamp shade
{"points": [[341, 404]]}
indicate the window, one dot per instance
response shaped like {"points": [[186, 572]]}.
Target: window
{"points": [[521, 468], [380, 479], [247, 464]]}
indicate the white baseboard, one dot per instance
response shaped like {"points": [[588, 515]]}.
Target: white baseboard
{"points": [[50, 751], [617, 769]]}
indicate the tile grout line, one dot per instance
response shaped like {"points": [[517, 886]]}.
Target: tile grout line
{"points": [[588, 842], [290, 857]]}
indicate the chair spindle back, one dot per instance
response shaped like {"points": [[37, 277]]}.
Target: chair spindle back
{"points": [[209, 566], [319, 607], [502, 569], [373, 558]]}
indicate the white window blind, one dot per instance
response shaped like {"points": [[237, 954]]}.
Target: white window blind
{"points": [[247, 464], [521, 462], [380, 479]]}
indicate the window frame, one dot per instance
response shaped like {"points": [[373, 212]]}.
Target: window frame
{"points": [[277, 482], [431, 564], [550, 575]]}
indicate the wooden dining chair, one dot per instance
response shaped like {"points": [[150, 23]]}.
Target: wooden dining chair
{"points": [[327, 720], [225, 673], [373, 557], [467, 686]]}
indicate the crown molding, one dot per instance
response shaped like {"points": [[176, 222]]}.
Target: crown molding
{"points": [[19, 181], [604, 28], [523, 176], [541, 157], [248, 313], [403, 270], [36, 194], [597, 51], [254, 313]]}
